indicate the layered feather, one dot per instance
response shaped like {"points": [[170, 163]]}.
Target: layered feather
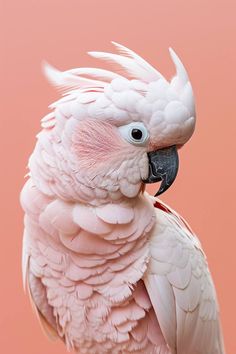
{"points": [[84, 286], [138, 92], [181, 289]]}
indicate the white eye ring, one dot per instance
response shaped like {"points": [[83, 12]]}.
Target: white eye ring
{"points": [[135, 133]]}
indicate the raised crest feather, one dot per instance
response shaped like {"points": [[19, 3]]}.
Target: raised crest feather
{"points": [[181, 72], [67, 80], [76, 82], [131, 63]]}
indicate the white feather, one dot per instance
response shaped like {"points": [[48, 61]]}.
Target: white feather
{"points": [[133, 64], [195, 314], [164, 305], [181, 72], [66, 81], [101, 74], [152, 73], [167, 107]]}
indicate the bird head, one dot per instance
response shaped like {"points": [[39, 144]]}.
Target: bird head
{"points": [[112, 132]]}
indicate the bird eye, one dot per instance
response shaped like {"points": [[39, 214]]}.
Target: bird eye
{"points": [[135, 133]]}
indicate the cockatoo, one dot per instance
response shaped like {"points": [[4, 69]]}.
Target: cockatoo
{"points": [[109, 268]]}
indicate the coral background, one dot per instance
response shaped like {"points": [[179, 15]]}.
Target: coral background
{"points": [[203, 34]]}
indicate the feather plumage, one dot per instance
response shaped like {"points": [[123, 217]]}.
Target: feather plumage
{"points": [[178, 294], [107, 271]]}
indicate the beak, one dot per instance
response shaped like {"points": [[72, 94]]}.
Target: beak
{"points": [[163, 166]]}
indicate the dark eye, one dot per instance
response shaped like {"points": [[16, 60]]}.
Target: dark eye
{"points": [[136, 134]]}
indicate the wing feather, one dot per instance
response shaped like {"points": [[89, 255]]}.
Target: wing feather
{"points": [[182, 293], [164, 306]]}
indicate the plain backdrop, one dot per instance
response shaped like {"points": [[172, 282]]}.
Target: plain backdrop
{"points": [[203, 34]]}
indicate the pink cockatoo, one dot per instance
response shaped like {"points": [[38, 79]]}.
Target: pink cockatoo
{"points": [[109, 268]]}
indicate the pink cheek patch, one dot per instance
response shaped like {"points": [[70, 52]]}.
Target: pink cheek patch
{"points": [[96, 142]]}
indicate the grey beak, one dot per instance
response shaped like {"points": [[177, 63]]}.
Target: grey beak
{"points": [[163, 166]]}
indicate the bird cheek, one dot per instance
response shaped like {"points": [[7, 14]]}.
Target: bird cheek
{"points": [[128, 189], [144, 166], [131, 173]]}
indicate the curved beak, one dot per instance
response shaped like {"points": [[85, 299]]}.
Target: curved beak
{"points": [[163, 166]]}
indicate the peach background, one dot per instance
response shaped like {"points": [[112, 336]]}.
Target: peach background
{"points": [[203, 34]]}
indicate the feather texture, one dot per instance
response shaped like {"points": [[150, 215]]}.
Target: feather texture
{"points": [[110, 269], [67, 80], [131, 62], [70, 267], [188, 317], [166, 107]]}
